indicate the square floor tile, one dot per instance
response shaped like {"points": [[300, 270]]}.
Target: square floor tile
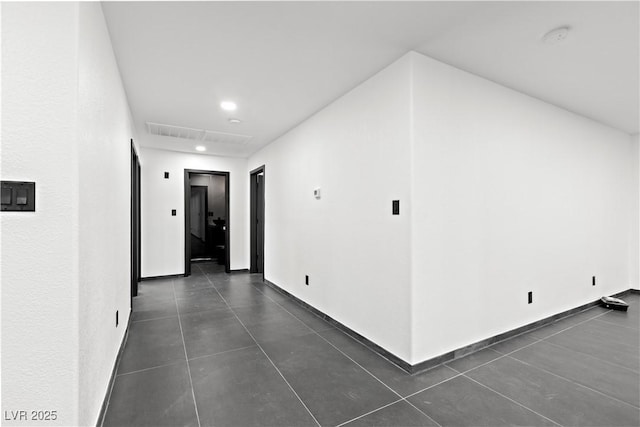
{"points": [[183, 293], [334, 388], [150, 307], [568, 322], [308, 318], [629, 318], [393, 376], [158, 288], [278, 330], [462, 402], [242, 295], [563, 401], [155, 397], [268, 312], [202, 301], [211, 332], [242, 388], [605, 346], [398, 414], [612, 380], [152, 343]]}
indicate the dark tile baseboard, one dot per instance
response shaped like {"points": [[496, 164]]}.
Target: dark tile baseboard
{"points": [[446, 357], [105, 402], [167, 276], [370, 344]]}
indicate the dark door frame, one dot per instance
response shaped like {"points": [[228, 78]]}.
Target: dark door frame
{"points": [[253, 208], [135, 225], [187, 217]]}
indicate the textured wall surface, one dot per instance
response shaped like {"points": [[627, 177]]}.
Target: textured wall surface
{"points": [[40, 249], [65, 125], [104, 134]]}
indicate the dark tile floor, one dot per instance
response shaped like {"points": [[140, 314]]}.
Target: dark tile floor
{"points": [[225, 350]]}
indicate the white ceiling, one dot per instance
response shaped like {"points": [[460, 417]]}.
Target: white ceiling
{"points": [[283, 61]]}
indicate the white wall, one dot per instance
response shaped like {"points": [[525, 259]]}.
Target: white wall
{"points": [[510, 195], [163, 234], [40, 249], [105, 129], [354, 251], [634, 234], [66, 126]]}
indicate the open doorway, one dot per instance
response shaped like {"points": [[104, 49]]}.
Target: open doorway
{"points": [[206, 218], [256, 182], [135, 221]]}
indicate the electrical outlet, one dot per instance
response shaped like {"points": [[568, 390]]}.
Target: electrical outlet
{"points": [[593, 281], [530, 297], [116, 318], [306, 280], [166, 175]]}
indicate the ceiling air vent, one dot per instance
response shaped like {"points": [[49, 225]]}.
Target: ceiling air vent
{"points": [[225, 138], [197, 134], [175, 131]]}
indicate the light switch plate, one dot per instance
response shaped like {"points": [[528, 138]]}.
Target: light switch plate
{"points": [[18, 196]]}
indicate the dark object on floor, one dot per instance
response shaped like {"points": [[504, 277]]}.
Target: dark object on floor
{"points": [[614, 303]]}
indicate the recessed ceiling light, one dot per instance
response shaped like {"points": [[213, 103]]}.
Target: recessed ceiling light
{"points": [[556, 36], [228, 105], [201, 148], [235, 121]]}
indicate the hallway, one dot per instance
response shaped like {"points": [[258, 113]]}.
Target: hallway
{"points": [[247, 355]]}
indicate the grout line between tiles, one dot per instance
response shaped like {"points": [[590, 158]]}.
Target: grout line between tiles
{"points": [[618, 325], [149, 368], [222, 352], [510, 399], [184, 347], [154, 318], [573, 382], [592, 356], [370, 412], [264, 352]]}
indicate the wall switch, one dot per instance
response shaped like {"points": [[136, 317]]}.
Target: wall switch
{"points": [[7, 195], [593, 281], [530, 297], [306, 280], [173, 212], [395, 207], [166, 175], [116, 318], [18, 196]]}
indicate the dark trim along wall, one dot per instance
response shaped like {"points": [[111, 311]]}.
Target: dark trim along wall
{"points": [[443, 358]]}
